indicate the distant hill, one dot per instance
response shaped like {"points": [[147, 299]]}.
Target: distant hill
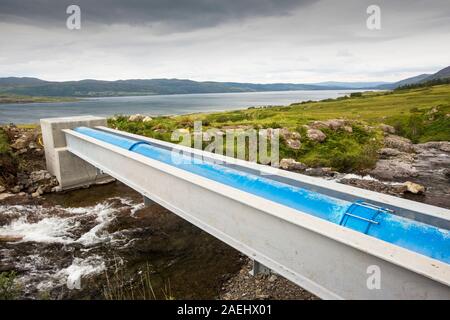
{"points": [[441, 74], [99, 88], [352, 85], [422, 78]]}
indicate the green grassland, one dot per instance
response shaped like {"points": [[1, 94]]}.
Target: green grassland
{"points": [[12, 98], [420, 114]]}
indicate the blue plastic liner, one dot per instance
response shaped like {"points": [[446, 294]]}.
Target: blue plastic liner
{"points": [[365, 218]]}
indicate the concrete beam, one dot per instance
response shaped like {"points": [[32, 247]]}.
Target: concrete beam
{"points": [[70, 170], [324, 258]]}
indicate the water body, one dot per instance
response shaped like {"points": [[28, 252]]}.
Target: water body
{"points": [[159, 104]]}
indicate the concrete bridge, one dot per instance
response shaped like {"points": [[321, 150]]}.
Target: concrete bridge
{"points": [[336, 241]]}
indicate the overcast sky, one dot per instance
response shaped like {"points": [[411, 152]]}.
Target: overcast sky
{"points": [[224, 40]]}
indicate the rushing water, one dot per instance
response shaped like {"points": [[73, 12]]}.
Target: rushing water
{"points": [[158, 104], [70, 241]]}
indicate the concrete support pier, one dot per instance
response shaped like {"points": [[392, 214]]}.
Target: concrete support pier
{"points": [[70, 170]]}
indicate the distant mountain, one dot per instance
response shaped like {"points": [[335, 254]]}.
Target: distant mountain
{"points": [[441, 74], [16, 81], [352, 85], [98, 88], [422, 78]]}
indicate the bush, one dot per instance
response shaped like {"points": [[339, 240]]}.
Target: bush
{"points": [[8, 287]]}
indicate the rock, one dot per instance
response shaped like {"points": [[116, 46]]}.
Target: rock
{"points": [[348, 129], [39, 176], [291, 164], [183, 131], [438, 145], [5, 195], [414, 188], [147, 119], [2, 189], [272, 278], [388, 153], [23, 141], [136, 117], [320, 172], [316, 135], [387, 128], [390, 169], [375, 185], [333, 124], [286, 134], [397, 142], [8, 238], [20, 144], [16, 189], [293, 144], [292, 138]]}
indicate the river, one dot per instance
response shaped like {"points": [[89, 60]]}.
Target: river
{"points": [[159, 104]]}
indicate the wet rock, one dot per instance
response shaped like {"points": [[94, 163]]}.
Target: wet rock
{"points": [[5, 195], [375, 185], [387, 128], [291, 164], [437, 145], [316, 135], [397, 142], [386, 153], [414, 188], [320, 172], [9, 238], [446, 173], [390, 169]]}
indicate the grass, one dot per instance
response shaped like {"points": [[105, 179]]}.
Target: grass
{"points": [[420, 114], [4, 142], [13, 98], [8, 287], [138, 287]]}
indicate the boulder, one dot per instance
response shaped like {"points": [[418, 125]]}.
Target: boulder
{"points": [[387, 128], [316, 135], [348, 129], [9, 238], [333, 124], [320, 172], [390, 169], [375, 185], [291, 164], [136, 117], [438, 145], [397, 142], [5, 195], [147, 119], [293, 144], [414, 188], [386, 153]]}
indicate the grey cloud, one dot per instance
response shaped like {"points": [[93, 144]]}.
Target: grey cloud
{"points": [[173, 14]]}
